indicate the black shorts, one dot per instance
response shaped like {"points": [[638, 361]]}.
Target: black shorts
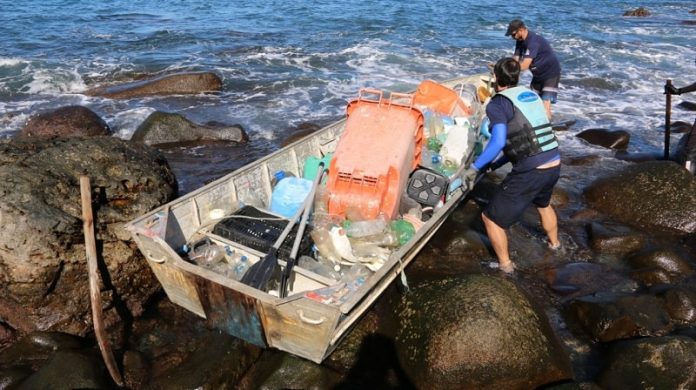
{"points": [[547, 89], [518, 191]]}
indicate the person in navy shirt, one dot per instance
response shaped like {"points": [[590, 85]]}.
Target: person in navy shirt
{"points": [[521, 130], [533, 52]]}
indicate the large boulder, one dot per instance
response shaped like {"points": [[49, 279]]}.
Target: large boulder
{"points": [[653, 363], [162, 128], [43, 269], [174, 84], [476, 332], [66, 121], [653, 194]]}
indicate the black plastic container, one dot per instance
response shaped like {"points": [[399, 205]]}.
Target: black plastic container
{"points": [[259, 230]]}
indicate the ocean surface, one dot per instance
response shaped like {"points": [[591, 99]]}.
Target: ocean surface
{"points": [[285, 63]]}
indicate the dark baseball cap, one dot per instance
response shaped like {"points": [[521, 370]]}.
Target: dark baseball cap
{"points": [[515, 25]]}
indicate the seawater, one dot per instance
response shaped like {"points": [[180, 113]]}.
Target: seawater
{"points": [[284, 63]]}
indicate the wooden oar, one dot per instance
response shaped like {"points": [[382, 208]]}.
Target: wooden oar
{"points": [[94, 297], [285, 276], [257, 275]]}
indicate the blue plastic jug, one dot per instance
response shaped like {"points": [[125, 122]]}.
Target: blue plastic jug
{"points": [[289, 195]]}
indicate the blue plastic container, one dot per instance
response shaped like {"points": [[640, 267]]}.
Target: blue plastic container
{"points": [[289, 195]]}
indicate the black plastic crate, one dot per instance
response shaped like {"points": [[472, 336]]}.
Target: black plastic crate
{"points": [[259, 230]]}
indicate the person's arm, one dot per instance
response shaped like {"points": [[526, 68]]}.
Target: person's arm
{"points": [[672, 90], [494, 147], [688, 88], [525, 63]]}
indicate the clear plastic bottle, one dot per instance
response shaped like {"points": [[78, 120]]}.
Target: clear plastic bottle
{"points": [[323, 244], [206, 252], [241, 267], [365, 228], [319, 267]]}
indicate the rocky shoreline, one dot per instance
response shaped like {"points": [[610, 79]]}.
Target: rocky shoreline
{"points": [[615, 309]]}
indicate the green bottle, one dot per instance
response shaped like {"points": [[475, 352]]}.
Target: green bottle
{"points": [[403, 229]]}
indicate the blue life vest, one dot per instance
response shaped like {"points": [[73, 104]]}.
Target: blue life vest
{"points": [[529, 132]]}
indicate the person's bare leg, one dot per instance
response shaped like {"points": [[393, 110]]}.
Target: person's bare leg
{"points": [[499, 242], [550, 224]]}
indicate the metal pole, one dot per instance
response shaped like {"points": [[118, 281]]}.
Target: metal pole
{"points": [[668, 119]]}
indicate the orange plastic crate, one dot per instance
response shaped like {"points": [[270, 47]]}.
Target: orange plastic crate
{"points": [[380, 146]]}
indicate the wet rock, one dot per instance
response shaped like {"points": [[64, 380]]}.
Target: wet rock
{"points": [[218, 361], [348, 351], [11, 378], [33, 349], [475, 332], [175, 84], [299, 132], [653, 363], [559, 198], [686, 149], [680, 303], [608, 317], [614, 239], [278, 370], [655, 194], [7, 335], [617, 139], [652, 276], [69, 370], [666, 265], [580, 160], [43, 263], [580, 279], [135, 369], [640, 11], [679, 127], [454, 249], [66, 121], [56, 340], [624, 155], [687, 105], [162, 128]]}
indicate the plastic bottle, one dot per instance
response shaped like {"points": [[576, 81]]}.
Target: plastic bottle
{"points": [[387, 238], [365, 228], [366, 249], [206, 252], [403, 230], [318, 267], [323, 244], [434, 144], [241, 267], [433, 123]]}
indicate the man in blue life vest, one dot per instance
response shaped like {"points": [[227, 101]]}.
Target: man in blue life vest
{"points": [[533, 52], [521, 130]]}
